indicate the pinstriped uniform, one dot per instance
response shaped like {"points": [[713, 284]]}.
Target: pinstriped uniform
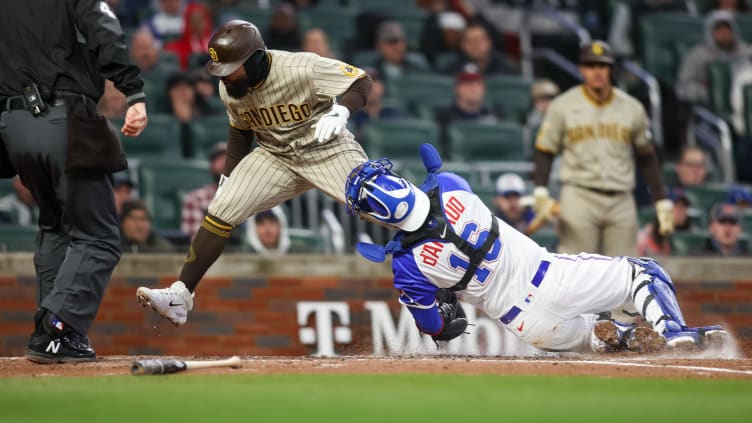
{"points": [[300, 88]]}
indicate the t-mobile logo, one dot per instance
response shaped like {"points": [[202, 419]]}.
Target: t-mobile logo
{"points": [[325, 334]]}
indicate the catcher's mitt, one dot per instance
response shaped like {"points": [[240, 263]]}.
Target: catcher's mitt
{"points": [[455, 320]]}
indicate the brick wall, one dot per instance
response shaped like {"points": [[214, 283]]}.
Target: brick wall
{"points": [[260, 316]]}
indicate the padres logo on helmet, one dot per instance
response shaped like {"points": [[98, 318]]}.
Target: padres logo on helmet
{"points": [[213, 55]]}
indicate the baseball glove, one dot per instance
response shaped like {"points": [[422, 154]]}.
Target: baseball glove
{"points": [[455, 320]]}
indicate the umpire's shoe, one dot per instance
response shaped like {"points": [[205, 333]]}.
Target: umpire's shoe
{"points": [[54, 342], [172, 303]]}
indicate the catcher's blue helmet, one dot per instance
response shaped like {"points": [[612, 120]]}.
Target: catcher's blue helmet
{"points": [[373, 188]]}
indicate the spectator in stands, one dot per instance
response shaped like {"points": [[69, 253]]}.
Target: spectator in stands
{"points": [[18, 207], [733, 6], [196, 202], [136, 233], [112, 104], [267, 232], [283, 33], [624, 33], [167, 22], [376, 108], [509, 207], [477, 48], [394, 60], [650, 242], [442, 34], [122, 189], [468, 105], [185, 104], [691, 169], [725, 232], [722, 42], [194, 40], [145, 53], [541, 93], [316, 41]]}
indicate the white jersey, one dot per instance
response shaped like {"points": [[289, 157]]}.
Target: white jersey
{"points": [[500, 280]]}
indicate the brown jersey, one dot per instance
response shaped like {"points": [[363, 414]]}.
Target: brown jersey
{"points": [[299, 89], [597, 141]]}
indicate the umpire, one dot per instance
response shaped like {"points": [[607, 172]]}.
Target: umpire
{"points": [[54, 58]]}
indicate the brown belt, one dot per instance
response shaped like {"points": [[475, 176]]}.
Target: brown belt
{"points": [[607, 192]]}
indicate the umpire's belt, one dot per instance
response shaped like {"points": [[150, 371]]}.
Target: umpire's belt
{"points": [[536, 281], [18, 102]]}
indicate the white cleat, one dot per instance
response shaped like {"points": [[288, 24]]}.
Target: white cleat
{"points": [[172, 303]]}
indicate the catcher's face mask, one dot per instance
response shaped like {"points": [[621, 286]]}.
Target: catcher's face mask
{"points": [[373, 188]]}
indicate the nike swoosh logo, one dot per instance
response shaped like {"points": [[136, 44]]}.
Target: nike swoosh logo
{"points": [[175, 305], [519, 328], [443, 234]]}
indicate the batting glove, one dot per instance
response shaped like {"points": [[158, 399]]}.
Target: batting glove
{"points": [[331, 124], [664, 212], [541, 200]]}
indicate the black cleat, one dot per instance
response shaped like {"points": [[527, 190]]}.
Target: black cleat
{"points": [[69, 348]]}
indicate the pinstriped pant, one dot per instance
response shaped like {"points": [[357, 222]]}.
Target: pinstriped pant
{"points": [[263, 180]]}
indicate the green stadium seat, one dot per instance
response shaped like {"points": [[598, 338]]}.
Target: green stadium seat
{"points": [[422, 93], [546, 237], [412, 20], [444, 60], [664, 37], [160, 139], [163, 183], [744, 23], [305, 241], [260, 17], [399, 139], [155, 88], [471, 141], [17, 238], [206, 131], [486, 194], [719, 87], [511, 95], [747, 93], [365, 58], [688, 243], [645, 215], [338, 22], [382, 5], [704, 196]]}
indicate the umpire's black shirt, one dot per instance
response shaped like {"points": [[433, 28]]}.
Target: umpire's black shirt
{"points": [[70, 45]]}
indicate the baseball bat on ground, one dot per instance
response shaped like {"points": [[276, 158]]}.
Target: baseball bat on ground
{"points": [[163, 366]]}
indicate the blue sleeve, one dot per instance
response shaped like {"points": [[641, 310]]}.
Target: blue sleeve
{"points": [[452, 182], [417, 293]]}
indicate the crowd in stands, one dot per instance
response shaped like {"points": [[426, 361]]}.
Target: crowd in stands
{"points": [[472, 47]]}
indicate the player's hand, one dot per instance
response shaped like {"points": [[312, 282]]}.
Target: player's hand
{"points": [[542, 201], [135, 120], [331, 124], [664, 212]]}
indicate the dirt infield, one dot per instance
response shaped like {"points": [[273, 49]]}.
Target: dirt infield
{"points": [[682, 368]]}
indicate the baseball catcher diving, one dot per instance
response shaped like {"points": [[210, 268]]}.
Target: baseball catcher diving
{"points": [[450, 245]]}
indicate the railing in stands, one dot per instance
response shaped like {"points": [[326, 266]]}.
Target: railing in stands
{"points": [[709, 130], [654, 97]]}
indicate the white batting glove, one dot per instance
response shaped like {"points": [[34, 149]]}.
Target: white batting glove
{"points": [[541, 200], [331, 124], [664, 212]]}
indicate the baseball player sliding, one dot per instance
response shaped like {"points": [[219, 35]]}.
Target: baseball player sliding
{"points": [[448, 240], [288, 100]]}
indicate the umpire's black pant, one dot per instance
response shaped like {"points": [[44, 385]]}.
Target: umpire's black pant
{"points": [[78, 244]]}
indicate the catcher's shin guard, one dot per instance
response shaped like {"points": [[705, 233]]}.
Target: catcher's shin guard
{"points": [[654, 296]]}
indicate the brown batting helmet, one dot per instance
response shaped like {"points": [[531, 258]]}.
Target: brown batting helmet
{"points": [[596, 51], [231, 45]]}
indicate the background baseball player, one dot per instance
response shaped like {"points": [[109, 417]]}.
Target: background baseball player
{"points": [[288, 101], [449, 239], [601, 132]]}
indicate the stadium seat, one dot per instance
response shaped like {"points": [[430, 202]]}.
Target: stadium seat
{"points": [[664, 37], [422, 93], [688, 243], [365, 58], [546, 237], [17, 238], [471, 141], [160, 139], [163, 183], [260, 17], [511, 95], [399, 139], [719, 87], [305, 241], [155, 87], [704, 196], [206, 131], [338, 22], [744, 23]]}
